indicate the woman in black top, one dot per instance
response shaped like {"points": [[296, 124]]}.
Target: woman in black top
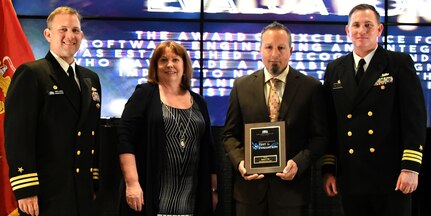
{"points": [[167, 154]]}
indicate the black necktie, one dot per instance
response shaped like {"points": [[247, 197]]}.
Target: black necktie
{"points": [[360, 72], [72, 78]]}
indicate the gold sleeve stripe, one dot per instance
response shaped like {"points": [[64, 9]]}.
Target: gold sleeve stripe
{"points": [[96, 177], [328, 160], [412, 159], [29, 175], [34, 179], [25, 185], [95, 173], [329, 156], [418, 153], [96, 169], [412, 156]]}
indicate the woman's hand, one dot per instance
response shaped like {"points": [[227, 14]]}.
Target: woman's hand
{"points": [[135, 197]]}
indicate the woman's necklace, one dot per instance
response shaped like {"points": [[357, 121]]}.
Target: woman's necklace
{"points": [[178, 125]]}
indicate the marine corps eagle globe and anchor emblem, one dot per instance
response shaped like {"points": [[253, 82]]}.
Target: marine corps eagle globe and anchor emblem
{"points": [[6, 70]]}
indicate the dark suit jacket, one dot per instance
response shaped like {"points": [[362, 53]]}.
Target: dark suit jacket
{"points": [[379, 127], [51, 136], [303, 111]]}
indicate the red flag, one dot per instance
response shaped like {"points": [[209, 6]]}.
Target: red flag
{"points": [[14, 50]]}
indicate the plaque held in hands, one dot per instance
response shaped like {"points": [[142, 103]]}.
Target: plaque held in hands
{"points": [[265, 147]]}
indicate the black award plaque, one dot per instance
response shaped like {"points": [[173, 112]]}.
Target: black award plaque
{"points": [[265, 147]]}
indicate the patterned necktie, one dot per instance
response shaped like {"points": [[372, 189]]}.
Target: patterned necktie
{"points": [[274, 100], [360, 72], [72, 78]]}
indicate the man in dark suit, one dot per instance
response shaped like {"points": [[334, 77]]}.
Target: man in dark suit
{"points": [[301, 107], [378, 123], [51, 126]]}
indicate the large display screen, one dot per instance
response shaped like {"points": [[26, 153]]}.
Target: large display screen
{"points": [[416, 41], [416, 11], [118, 48], [232, 50], [400, 11], [119, 52], [161, 9], [302, 10]]}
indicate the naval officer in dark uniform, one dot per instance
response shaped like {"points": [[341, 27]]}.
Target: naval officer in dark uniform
{"points": [[51, 126], [378, 122]]}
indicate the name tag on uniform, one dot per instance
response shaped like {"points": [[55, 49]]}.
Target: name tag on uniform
{"points": [[56, 92], [337, 85]]}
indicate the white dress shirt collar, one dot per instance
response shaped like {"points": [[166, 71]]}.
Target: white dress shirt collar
{"points": [[63, 63], [367, 59], [281, 77]]}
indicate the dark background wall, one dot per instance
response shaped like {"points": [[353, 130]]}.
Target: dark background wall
{"points": [[110, 176]]}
